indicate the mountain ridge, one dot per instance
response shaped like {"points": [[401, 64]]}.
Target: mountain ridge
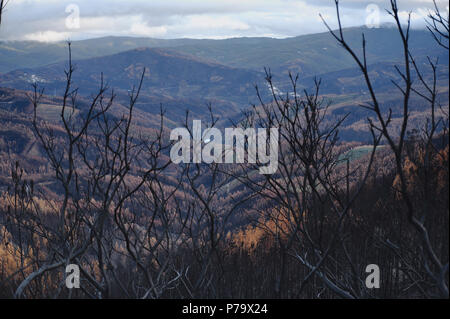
{"points": [[312, 54], [167, 73]]}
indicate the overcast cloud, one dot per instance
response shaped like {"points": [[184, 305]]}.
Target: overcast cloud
{"points": [[56, 20]]}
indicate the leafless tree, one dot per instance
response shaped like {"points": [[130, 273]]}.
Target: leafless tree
{"points": [[136, 231], [438, 26], [436, 269], [209, 211], [310, 201], [2, 7], [101, 163]]}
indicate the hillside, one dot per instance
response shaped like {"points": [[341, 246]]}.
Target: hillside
{"points": [[182, 82], [309, 54], [167, 74], [96, 185], [187, 74]]}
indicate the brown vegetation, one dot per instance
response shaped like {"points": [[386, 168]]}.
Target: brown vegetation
{"points": [[108, 199]]}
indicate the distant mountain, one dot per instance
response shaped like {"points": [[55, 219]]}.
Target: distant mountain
{"points": [[31, 54], [351, 81], [314, 54], [168, 74], [308, 54], [186, 74]]}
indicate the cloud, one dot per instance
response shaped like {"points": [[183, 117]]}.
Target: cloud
{"points": [[142, 29], [55, 20], [47, 36]]}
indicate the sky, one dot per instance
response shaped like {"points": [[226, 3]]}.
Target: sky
{"points": [[60, 20]]}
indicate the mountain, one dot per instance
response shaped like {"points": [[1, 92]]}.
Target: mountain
{"points": [[31, 54], [168, 74], [313, 54], [308, 54], [186, 74]]}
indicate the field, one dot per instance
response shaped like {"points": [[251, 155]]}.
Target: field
{"points": [[52, 113]]}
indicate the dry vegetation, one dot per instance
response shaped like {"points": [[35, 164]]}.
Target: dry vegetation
{"points": [[96, 189]]}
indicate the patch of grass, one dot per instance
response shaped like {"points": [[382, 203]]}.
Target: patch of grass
{"points": [[358, 152], [52, 113]]}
